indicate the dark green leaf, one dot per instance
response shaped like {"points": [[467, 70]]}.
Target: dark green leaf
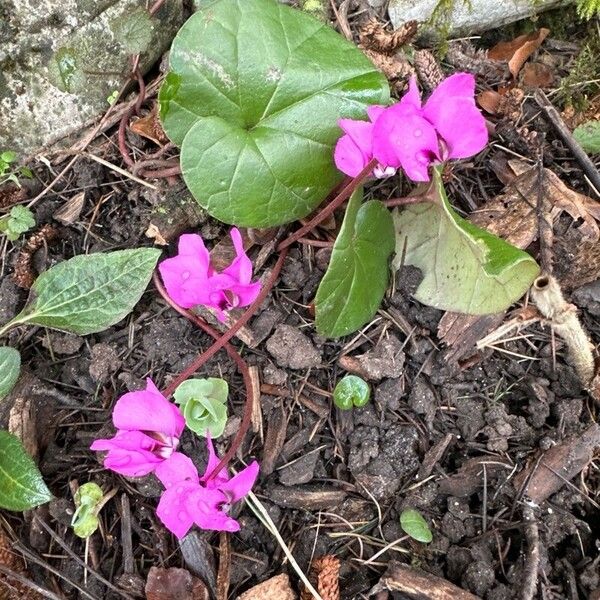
{"points": [[21, 483], [87, 294], [414, 525], [10, 367], [254, 95], [465, 269], [351, 391], [588, 135], [352, 289]]}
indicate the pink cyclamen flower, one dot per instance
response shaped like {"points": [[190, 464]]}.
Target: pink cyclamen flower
{"points": [[354, 150], [412, 136], [191, 280], [148, 432], [190, 499]]}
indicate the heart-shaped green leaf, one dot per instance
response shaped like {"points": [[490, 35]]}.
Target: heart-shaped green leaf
{"points": [[465, 269], [254, 94], [87, 294], [10, 367], [21, 483], [352, 289], [413, 524], [351, 391]]}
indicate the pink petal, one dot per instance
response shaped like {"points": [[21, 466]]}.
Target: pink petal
{"points": [[239, 485], [207, 507], [402, 138], [213, 462], [246, 294], [241, 267], [374, 111], [177, 469], [360, 132], [462, 127], [182, 280], [452, 111], [411, 101], [148, 410], [130, 453], [192, 245], [173, 509], [348, 157]]}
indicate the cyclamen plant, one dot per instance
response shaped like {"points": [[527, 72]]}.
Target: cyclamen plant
{"points": [[260, 148]]}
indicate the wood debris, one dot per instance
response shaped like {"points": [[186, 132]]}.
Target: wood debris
{"points": [[558, 465], [418, 585], [276, 588], [174, 584], [10, 588], [24, 274]]}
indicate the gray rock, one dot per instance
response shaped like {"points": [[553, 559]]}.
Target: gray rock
{"points": [[464, 17], [60, 60]]}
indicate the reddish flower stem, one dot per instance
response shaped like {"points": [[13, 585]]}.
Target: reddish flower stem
{"points": [[224, 338], [343, 195], [239, 361]]}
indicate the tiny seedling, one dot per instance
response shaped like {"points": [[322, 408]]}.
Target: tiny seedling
{"points": [[204, 405], [7, 170], [351, 391], [18, 221], [414, 525]]}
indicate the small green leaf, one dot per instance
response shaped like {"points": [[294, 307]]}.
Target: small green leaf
{"points": [[21, 219], [588, 135], [351, 391], [8, 156], [465, 269], [88, 502], [204, 405], [10, 368], [26, 172], [414, 525], [353, 286], [253, 96], [21, 483], [134, 31], [87, 294]]}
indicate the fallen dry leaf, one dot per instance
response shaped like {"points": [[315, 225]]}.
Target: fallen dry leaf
{"points": [[174, 584], [517, 51], [150, 128], [276, 588], [537, 75], [489, 100]]}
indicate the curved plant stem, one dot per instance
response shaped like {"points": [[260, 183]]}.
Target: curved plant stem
{"points": [[239, 361], [224, 338], [343, 195]]}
